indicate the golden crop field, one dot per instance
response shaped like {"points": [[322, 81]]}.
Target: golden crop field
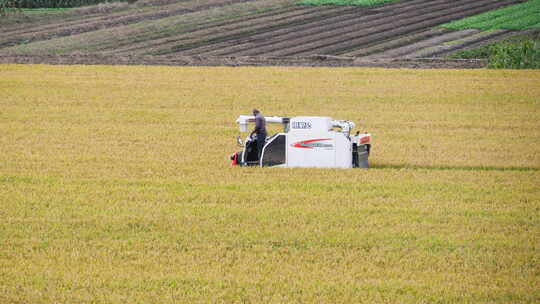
{"points": [[115, 187]]}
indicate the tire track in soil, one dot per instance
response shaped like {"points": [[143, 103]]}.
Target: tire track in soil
{"points": [[108, 21], [332, 43], [244, 29], [363, 18], [205, 29]]}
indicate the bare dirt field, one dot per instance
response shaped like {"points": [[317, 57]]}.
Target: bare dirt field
{"points": [[248, 32]]}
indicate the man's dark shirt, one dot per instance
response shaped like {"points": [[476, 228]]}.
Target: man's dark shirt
{"points": [[260, 124]]}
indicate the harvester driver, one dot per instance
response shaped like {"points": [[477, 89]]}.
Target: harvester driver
{"points": [[260, 130]]}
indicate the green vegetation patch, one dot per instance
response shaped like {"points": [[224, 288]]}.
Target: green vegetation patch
{"points": [[346, 2], [516, 17], [519, 52], [39, 10]]}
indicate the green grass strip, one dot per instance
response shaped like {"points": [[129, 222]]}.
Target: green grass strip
{"points": [[346, 2], [39, 10], [504, 19], [525, 23], [516, 17]]}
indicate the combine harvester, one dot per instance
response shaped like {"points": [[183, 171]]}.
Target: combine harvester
{"points": [[306, 141]]}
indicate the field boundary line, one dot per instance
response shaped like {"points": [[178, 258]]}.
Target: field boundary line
{"points": [[307, 61]]}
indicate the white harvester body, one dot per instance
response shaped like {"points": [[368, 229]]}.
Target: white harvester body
{"points": [[306, 141]]}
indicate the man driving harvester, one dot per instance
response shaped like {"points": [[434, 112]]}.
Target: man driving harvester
{"points": [[260, 130]]}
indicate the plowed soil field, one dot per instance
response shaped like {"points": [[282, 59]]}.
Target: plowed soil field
{"points": [[260, 32]]}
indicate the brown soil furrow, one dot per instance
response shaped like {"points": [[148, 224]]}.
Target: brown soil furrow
{"points": [[393, 42], [24, 23], [434, 47], [234, 47], [109, 21], [396, 7], [209, 28], [70, 21], [29, 25], [334, 49], [140, 41], [91, 14], [316, 28], [253, 44], [193, 32], [242, 29], [369, 26], [407, 49], [334, 42]]}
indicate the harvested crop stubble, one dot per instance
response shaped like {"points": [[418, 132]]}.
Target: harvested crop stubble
{"points": [[115, 187]]}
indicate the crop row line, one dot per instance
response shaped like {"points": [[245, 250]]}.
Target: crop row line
{"points": [[108, 21], [266, 35], [336, 40]]}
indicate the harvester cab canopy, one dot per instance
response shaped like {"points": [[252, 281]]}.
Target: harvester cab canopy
{"points": [[306, 141], [243, 121], [300, 124]]}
